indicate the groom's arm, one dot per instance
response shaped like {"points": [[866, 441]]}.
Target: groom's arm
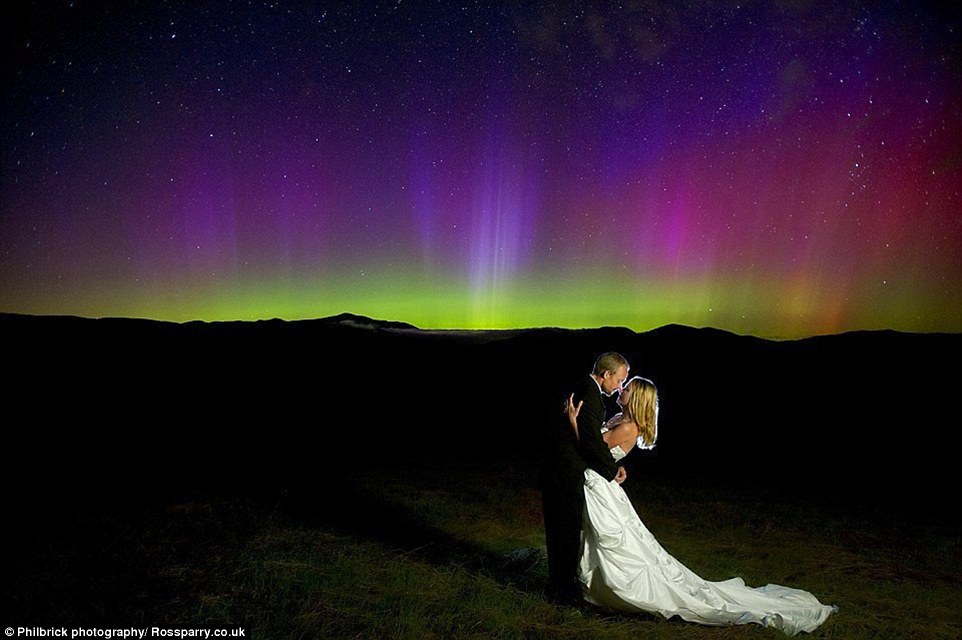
{"points": [[591, 445]]}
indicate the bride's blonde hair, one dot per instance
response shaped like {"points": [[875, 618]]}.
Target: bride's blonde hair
{"points": [[642, 409]]}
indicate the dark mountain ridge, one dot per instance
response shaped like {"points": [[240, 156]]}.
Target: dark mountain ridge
{"points": [[112, 403]]}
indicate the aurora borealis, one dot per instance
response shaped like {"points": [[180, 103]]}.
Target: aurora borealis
{"points": [[776, 168]]}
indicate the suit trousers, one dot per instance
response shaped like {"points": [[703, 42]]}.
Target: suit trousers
{"points": [[563, 509]]}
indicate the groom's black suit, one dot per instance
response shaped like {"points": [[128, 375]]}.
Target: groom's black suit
{"points": [[563, 497]]}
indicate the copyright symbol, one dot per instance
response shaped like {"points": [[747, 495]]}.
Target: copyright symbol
{"points": [[8, 631]]}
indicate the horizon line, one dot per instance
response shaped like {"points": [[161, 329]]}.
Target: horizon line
{"points": [[480, 329]]}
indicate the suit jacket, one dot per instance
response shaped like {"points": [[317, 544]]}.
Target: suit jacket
{"points": [[567, 456]]}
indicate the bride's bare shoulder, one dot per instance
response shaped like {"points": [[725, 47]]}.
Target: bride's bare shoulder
{"points": [[621, 431]]}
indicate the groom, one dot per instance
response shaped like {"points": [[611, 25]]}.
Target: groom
{"points": [[562, 478]]}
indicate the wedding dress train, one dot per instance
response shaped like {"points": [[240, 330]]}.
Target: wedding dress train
{"points": [[623, 568]]}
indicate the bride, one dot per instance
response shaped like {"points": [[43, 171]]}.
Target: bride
{"points": [[623, 568]]}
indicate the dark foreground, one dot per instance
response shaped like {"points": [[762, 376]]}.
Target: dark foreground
{"points": [[423, 550], [347, 478]]}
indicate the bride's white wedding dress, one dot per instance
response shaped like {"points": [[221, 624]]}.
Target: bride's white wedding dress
{"points": [[623, 568]]}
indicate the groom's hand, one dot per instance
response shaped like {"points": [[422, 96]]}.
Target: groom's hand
{"points": [[621, 476]]}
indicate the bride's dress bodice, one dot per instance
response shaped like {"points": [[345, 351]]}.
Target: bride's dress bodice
{"points": [[617, 452]]}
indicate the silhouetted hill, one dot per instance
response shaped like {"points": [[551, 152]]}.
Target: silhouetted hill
{"points": [[117, 403]]}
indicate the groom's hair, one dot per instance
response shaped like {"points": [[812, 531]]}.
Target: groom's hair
{"points": [[609, 361]]}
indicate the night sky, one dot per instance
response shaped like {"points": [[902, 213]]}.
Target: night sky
{"points": [[780, 168]]}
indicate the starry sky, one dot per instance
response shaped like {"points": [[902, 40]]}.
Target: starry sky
{"points": [[781, 168]]}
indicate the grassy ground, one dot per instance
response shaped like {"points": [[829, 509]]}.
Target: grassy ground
{"points": [[422, 552]]}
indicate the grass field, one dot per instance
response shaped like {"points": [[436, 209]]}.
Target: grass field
{"points": [[423, 551]]}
